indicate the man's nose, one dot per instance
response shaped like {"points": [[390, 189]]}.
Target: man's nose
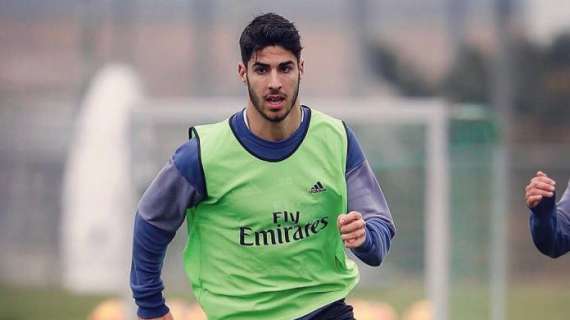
{"points": [[274, 81]]}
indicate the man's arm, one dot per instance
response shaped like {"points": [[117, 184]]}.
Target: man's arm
{"points": [[366, 199], [149, 249], [549, 222], [160, 213]]}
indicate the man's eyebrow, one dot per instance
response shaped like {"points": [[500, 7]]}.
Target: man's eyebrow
{"points": [[259, 64], [282, 64]]}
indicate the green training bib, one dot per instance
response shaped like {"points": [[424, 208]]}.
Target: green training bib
{"points": [[264, 244]]}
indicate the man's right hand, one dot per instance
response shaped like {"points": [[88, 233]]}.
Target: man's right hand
{"points": [[167, 316], [540, 186]]}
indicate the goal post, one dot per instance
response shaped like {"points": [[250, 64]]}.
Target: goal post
{"points": [[179, 114]]}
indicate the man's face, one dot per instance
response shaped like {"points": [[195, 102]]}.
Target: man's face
{"points": [[272, 77]]}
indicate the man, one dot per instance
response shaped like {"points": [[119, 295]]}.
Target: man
{"points": [[549, 222], [272, 196]]}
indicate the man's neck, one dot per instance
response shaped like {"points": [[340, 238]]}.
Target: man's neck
{"points": [[273, 131]]}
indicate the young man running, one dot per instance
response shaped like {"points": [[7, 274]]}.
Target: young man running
{"points": [[272, 197]]}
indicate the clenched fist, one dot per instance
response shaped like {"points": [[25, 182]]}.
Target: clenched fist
{"points": [[539, 187], [352, 229]]}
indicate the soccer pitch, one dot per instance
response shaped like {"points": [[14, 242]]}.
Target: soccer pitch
{"points": [[467, 302]]}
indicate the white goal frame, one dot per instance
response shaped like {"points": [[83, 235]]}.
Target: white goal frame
{"points": [[432, 113]]}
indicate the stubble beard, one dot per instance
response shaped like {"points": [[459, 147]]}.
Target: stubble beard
{"points": [[258, 103]]}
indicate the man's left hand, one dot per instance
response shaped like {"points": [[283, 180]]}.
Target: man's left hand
{"points": [[352, 229]]}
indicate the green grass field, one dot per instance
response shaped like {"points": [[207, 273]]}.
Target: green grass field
{"points": [[471, 302], [467, 302]]}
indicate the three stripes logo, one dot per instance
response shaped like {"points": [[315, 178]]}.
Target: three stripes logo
{"points": [[318, 187]]}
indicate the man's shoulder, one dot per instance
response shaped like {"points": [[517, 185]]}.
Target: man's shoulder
{"points": [[321, 117], [197, 130], [323, 114], [355, 155], [187, 154]]}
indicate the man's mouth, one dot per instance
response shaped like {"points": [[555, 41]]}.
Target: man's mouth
{"points": [[275, 101]]}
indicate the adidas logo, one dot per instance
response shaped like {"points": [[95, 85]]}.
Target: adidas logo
{"points": [[318, 187]]}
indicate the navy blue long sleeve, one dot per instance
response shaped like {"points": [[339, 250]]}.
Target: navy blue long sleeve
{"points": [[149, 249], [377, 243]]}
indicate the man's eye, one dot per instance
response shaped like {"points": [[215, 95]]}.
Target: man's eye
{"points": [[260, 70], [286, 69]]}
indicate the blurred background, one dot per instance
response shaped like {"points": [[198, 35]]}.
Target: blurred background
{"points": [[501, 69]]}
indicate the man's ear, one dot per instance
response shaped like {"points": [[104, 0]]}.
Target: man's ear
{"points": [[301, 67], [242, 72]]}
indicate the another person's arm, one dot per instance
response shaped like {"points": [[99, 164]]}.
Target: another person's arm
{"points": [[549, 222], [160, 212]]}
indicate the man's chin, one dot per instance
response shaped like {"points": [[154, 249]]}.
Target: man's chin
{"points": [[274, 114], [275, 117]]}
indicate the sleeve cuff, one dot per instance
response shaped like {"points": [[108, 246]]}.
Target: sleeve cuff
{"points": [[152, 312], [545, 209], [367, 245]]}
